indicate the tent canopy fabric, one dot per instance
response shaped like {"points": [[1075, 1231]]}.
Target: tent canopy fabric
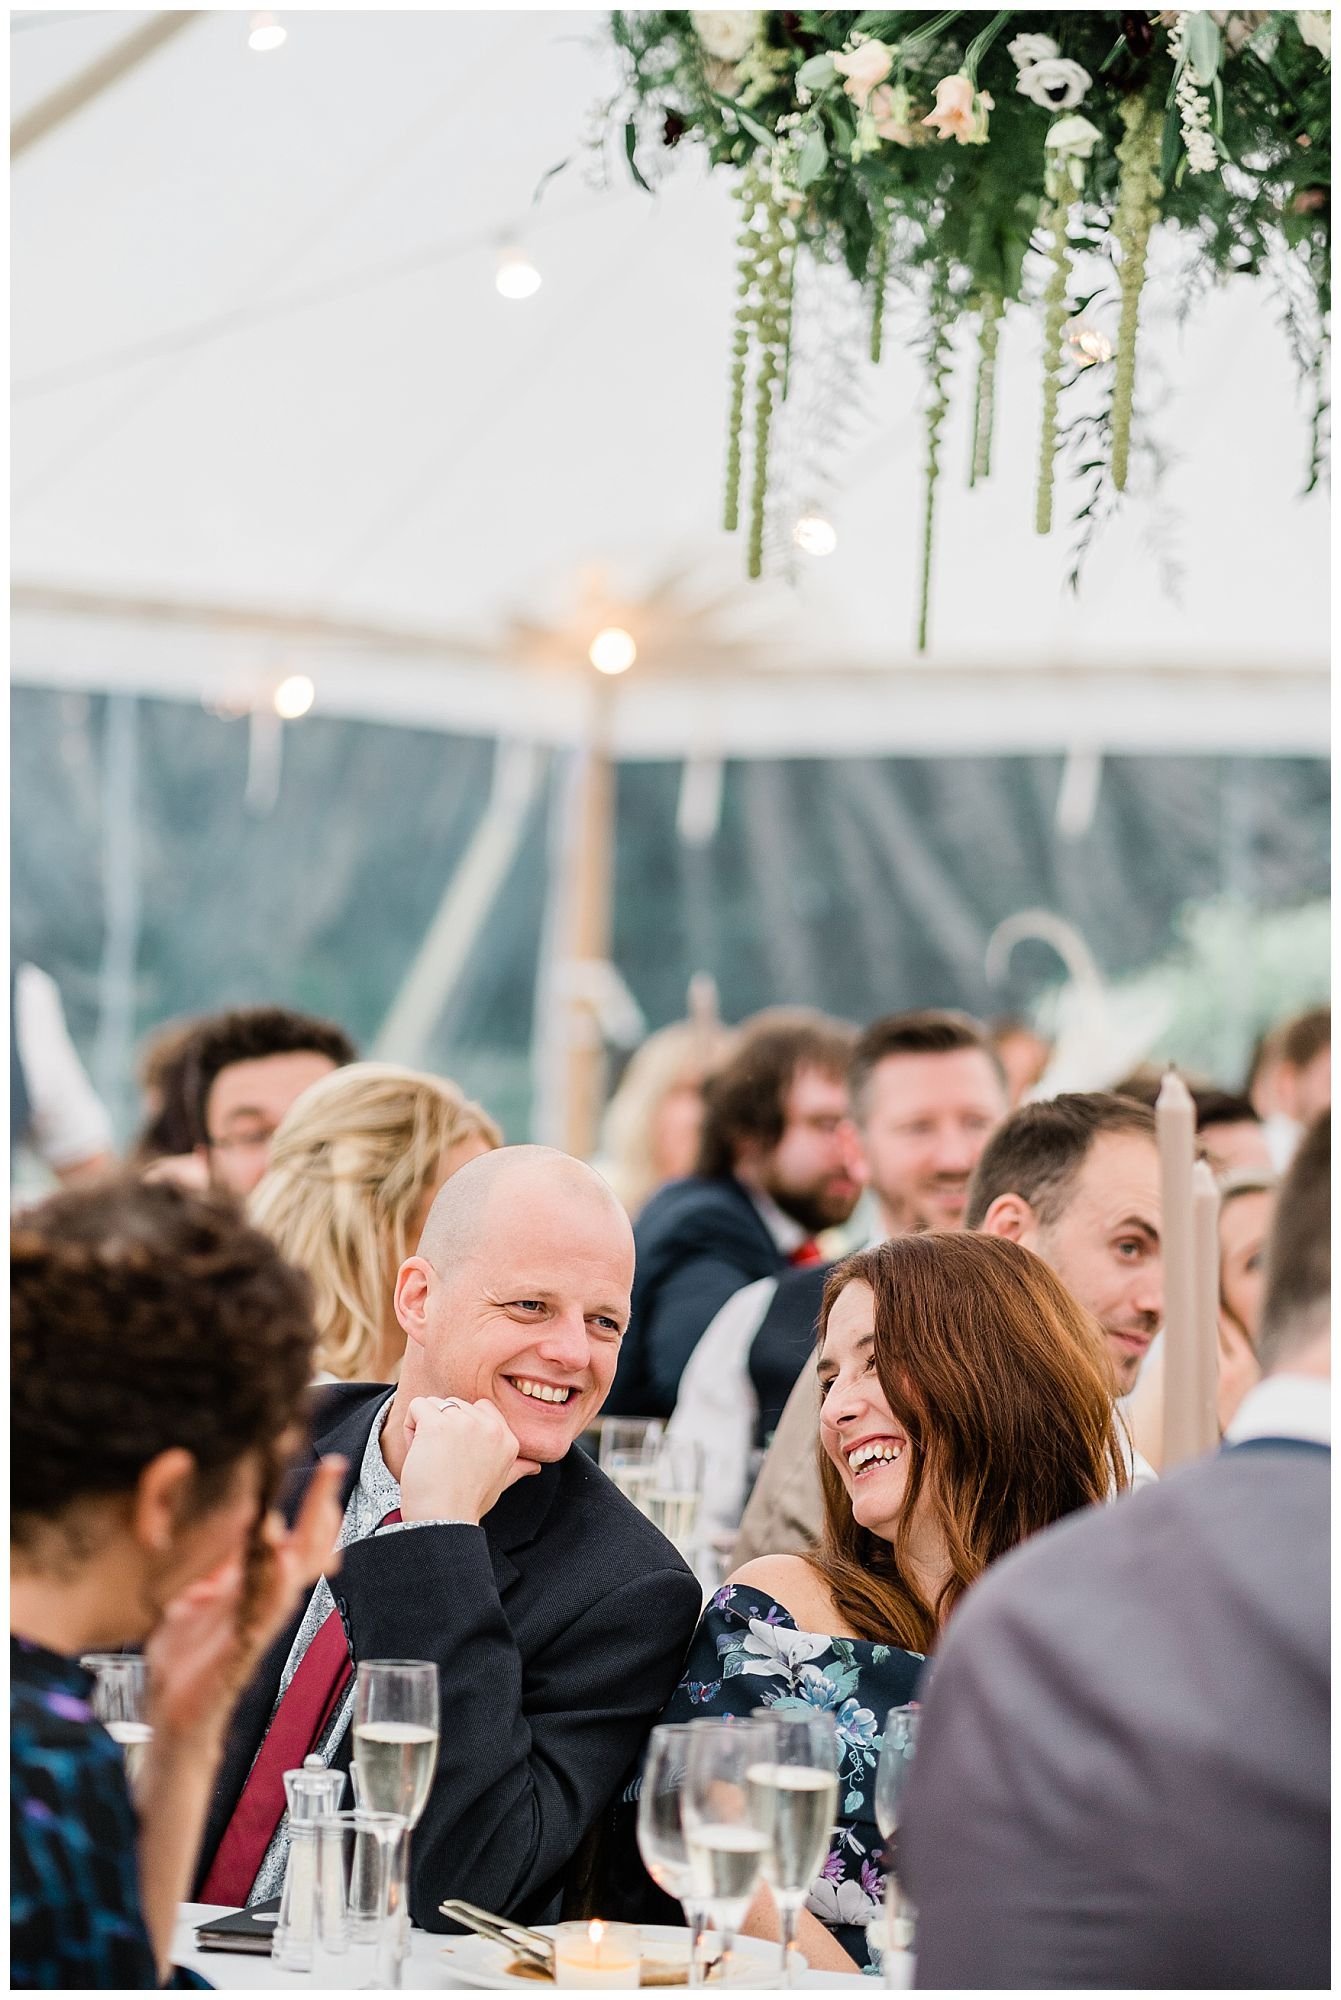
{"points": [[269, 409]]}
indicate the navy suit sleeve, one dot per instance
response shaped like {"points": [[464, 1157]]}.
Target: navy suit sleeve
{"points": [[685, 1305], [528, 1757]]}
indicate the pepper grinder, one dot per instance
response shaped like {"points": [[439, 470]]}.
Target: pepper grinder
{"points": [[312, 1793]]}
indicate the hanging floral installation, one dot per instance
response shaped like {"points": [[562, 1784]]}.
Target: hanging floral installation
{"points": [[974, 164]]}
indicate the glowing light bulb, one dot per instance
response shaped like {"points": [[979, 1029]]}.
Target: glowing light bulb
{"points": [[815, 534], [294, 696], [517, 277], [612, 651]]}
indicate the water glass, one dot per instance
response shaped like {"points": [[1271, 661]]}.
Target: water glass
{"points": [[891, 1782], [118, 1701], [802, 1773], [728, 1823], [360, 1918]]}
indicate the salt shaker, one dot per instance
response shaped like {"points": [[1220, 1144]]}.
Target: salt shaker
{"points": [[312, 1793]]}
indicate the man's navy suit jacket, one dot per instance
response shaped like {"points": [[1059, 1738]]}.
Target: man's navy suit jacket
{"points": [[559, 1629]]}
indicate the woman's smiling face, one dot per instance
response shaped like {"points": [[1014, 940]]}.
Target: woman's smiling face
{"points": [[861, 1435]]}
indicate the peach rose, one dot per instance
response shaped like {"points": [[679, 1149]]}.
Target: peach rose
{"points": [[864, 67], [960, 111]]}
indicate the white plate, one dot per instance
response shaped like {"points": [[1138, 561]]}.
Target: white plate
{"points": [[477, 1961]]}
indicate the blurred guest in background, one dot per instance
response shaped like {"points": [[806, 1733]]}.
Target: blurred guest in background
{"points": [[248, 1067], [1305, 1081], [354, 1168], [1230, 1131], [160, 1352], [1023, 1053], [927, 1092], [1122, 1773], [964, 1404], [778, 1162], [654, 1121], [1247, 1210], [53, 1108], [166, 1074]]}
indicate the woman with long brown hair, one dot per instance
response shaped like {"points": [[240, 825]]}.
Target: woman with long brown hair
{"points": [[966, 1403]]}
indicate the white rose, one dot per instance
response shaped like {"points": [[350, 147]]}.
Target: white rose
{"points": [[1027, 49], [1072, 138], [1056, 83], [1316, 30], [729, 34]]}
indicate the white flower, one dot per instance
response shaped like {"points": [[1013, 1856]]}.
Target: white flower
{"points": [[1072, 138], [1056, 83], [729, 34], [1316, 30], [841, 1903], [781, 1649], [1027, 49], [863, 67]]}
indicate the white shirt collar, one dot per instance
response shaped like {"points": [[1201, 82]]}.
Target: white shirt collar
{"points": [[786, 1232], [1285, 1406]]}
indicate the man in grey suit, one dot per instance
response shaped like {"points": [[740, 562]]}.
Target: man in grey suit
{"points": [[1122, 1776]]}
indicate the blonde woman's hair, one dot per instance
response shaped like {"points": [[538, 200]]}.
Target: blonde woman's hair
{"points": [[683, 1051], [350, 1167]]}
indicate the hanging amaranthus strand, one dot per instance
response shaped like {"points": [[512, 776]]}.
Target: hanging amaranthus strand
{"points": [[1054, 320], [748, 243], [774, 297], [984, 402], [879, 280], [938, 371], [1137, 209]]}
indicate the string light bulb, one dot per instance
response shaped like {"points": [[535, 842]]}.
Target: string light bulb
{"points": [[266, 33], [815, 533], [613, 650], [294, 696], [516, 277]]}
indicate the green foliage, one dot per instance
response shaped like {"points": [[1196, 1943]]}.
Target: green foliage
{"points": [[864, 180]]}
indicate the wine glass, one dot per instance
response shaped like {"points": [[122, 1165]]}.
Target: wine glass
{"points": [[672, 1499], [396, 1735], [803, 1776], [661, 1835], [118, 1702], [628, 1452], [891, 1780], [728, 1824]]}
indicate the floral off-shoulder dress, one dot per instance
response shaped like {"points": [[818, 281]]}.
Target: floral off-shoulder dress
{"points": [[748, 1653]]}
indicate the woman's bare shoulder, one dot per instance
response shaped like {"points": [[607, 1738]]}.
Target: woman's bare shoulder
{"points": [[795, 1584]]}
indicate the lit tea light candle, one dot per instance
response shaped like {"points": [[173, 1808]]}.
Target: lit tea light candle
{"points": [[596, 1954]]}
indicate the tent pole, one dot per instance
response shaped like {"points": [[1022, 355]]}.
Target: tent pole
{"points": [[70, 97]]}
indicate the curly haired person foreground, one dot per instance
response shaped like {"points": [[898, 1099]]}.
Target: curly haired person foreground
{"points": [[161, 1348]]}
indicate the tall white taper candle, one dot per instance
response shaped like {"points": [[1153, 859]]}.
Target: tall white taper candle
{"points": [[1206, 1263], [1176, 1125]]}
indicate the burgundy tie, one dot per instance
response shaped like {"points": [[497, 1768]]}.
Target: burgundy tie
{"points": [[310, 1700]]}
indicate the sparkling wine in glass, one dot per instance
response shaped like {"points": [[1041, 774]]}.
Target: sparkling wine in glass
{"points": [[628, 1453], [661, 1836], [396, 1735], [798, 1785], [891, 1780], [118, 1702], [673, 1499], [728, 1827]]}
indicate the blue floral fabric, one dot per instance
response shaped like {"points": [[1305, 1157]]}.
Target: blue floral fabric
{"points": [[74, 1897], [748, 1653]]}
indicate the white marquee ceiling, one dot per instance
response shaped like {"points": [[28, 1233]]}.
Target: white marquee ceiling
{"points": [[265, 391]]}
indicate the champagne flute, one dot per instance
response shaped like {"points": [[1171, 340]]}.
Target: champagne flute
{"points": [[661, 1834], [628, 1452], [675, 1494], [118, 1702], [802, 1775], [891, 1780], [396, 1735], [728, 1826]]}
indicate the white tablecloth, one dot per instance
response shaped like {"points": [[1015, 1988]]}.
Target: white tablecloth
{"points": [[428, 1966]]}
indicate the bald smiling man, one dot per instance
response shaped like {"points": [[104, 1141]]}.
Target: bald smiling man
{"points": [[477, 1536]]}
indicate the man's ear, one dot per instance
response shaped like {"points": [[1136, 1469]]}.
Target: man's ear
{"points": [[414, 1282], [1011, 1216], [160, 1498]]}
